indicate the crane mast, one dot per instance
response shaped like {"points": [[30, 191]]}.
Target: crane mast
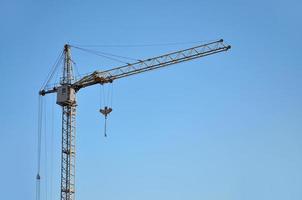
{"points": [[68, 87], [68, 128]]}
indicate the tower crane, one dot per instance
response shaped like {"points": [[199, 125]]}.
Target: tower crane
{"points": [[68, 87]]}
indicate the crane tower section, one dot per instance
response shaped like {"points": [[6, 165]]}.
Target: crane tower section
{"points": [[66, 97]]}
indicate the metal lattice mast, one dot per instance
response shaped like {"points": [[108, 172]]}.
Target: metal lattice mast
{"points": [[68, 133]]}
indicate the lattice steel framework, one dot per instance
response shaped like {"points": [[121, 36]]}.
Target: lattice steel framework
{"points": [[68, 152], [149, 64], [68, 134]]}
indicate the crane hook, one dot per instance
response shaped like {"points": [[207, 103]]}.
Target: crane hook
{"points": [[105, 112]]}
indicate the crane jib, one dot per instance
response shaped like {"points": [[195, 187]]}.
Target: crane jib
{"points": [[108, 76]]}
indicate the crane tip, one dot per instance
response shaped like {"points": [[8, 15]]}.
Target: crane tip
{"points": [[66, 46]]}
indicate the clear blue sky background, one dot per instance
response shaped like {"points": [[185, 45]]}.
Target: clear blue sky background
{"points": [[225, 127]]}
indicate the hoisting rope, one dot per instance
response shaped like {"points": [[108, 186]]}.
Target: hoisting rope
{"points": [[45, 151], [38, 177], [107, 108], [52, 148], [43, 144], [106, 111], [53, 73]]}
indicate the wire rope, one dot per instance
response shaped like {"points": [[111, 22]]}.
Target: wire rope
{"points": [[45, 152], [76, 69], [143, 45], [108, 95], [111, 98], [103, 95], [53, 70], [52, 148], [38, 177], [106, 55]]}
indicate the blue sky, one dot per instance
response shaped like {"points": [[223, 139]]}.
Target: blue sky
{"points": [[224, 127]]}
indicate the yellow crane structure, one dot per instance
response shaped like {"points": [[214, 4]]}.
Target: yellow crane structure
{"points": [[68, 87]]}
